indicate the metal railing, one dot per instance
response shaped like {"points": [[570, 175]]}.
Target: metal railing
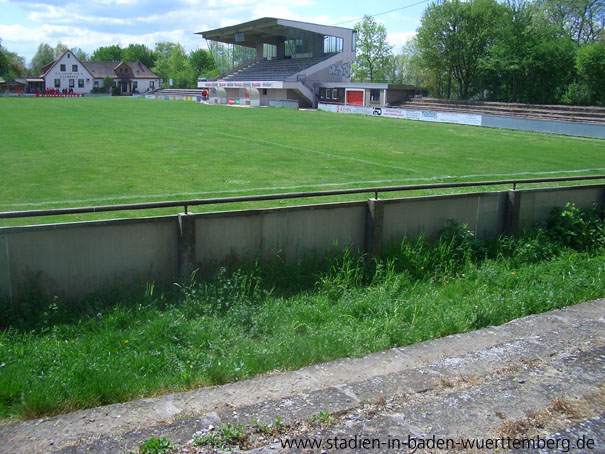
{"points": [[290, 195]]}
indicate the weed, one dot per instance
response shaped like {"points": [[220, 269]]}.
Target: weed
{"points": [[323, 417], [268, 429], [155, 446], [228, 435]]}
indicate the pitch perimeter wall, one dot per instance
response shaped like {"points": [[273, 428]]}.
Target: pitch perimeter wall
{"points": [[73, 260]]}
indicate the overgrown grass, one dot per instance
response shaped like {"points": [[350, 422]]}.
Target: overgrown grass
{"points": [[248, 321]]}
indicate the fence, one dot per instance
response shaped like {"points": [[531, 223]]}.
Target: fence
{"points": [[72, 260]]}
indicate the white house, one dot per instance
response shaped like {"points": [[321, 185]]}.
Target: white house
{"points": [[67, 72]]}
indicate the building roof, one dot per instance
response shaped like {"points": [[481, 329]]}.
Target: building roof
{"points": [[264, 30], [100, 69]]}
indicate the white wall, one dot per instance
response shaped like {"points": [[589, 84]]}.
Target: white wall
{"points": [[65, 76], [143, 85]]}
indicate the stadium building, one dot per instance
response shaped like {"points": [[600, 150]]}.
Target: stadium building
{"points": [[67, 72], [283, 62]]}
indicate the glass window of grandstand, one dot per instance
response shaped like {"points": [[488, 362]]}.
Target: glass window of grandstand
{"points": [[57, 83], [374, 95], [332, 45], [302, 44], [80, 83], [63, 68], [269, 51], [74, 68], [71, 83]]}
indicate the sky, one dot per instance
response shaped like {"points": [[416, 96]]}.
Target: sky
{"points": [[24, 24]]}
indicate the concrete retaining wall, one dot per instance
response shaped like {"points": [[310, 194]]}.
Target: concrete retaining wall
{"points": [[554, 127], [76, 259]]}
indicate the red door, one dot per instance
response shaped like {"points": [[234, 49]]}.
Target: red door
{"points": [[354, 98]]}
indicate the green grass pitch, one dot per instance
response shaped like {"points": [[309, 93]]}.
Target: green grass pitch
{"points": [[79, 152]]}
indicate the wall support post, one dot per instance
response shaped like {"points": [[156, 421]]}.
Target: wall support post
{"points": [[374, 227], [186, 245], [511, 213]]}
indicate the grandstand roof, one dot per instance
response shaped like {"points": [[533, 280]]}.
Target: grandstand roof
{"points": [[266, 30]]}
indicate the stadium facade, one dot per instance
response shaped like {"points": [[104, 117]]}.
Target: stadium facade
{"points": [[282, 62]]}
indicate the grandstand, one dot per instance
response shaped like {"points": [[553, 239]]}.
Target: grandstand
{"points": [[269, 59]]}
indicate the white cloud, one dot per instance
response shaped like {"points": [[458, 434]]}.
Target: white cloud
{"points": [[398, 40], [93, 23]]}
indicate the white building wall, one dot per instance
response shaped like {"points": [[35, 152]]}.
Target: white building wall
{"points": [[144, 85], [64, 77]]}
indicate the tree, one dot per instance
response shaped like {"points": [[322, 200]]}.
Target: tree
{"points": [[79, 53], [582, 20], [406, 67], [44, 56], [172, 63], [59, 49], [454, 36], [373, 51], [139, 52], [202, 64], [590, 63], [107, 53], [107, 83]]}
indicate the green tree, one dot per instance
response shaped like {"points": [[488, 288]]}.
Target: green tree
{"points": [[582, 20], [590, 63], [202, 64], [107, 53], [3, 63], [373, 51], [508, 64], [406, 67], [454, 36], [107, 83], [139, 52], [79, 53], [44, 55], [59, 49], [172, 63]]}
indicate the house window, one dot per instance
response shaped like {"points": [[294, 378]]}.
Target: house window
{"points": [[374, 95], [71, 83], [74, 68], [152, 84], [57, 83], [80, 83], [135, 84], [96, 84], [63, 68]]}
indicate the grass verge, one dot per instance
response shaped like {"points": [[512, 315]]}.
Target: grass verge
{"points": [[257, 319]]}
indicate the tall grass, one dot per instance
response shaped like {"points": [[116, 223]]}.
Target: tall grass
{"points": [[252, 319]]}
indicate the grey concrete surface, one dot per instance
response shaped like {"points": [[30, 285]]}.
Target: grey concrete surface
{"points": [[465, 385], [553, 127], [77, 259]]}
